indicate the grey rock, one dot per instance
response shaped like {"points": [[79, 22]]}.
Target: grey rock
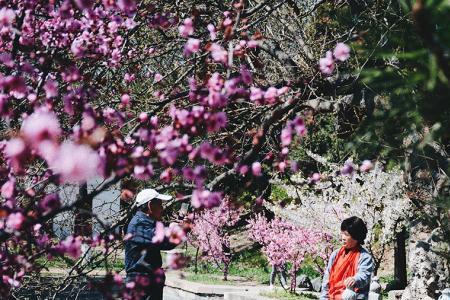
{"points": [[395, 294], [317, 284], [303, 281], [430, 271]]}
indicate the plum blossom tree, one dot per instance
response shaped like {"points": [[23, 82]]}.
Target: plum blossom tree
{"points": [[283, 242], [210, 234]]}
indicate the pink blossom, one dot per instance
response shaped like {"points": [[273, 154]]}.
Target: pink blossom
{"points": [[77, 48], [47, 150], [217, 122], [130, 285], [71, 74], [341, 52], [315, 178], [71, 246], [39, 126], [118, 279], [209, 235], [15, 220], [286, 136], [259, 201], [75, 168], [256, 169], [271, 94], [205, 198], [84, 4], [299, 126], [227, 22], [6, 59], [252, 44], [212, 31], [51, 89], [294, 166], [175, 234], [366, 166], [8, 188], [49, 203], [128, 6], [187, 28], [158, 77], [143, 117], [129, 77], [256, 95], [159, 233], [246, 76], [219, 54], [16, 85], [175, 261], [326, 64], [282, 91], [15, 151], [11, 281], [191, 46], [243, 169], [125, 99], [348, 168], [7, 17], [215, 82], [14, 148], [143, 172]]}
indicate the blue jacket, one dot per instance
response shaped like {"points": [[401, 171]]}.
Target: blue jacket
{"points": [[362, 277], [142, 256]]}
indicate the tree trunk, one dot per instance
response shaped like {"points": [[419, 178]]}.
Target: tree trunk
{"points": [[400, 260], [196, 261], [83, 218]]}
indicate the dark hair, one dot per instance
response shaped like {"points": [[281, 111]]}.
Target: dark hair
{"points": [[356, 228], [143, 207]]}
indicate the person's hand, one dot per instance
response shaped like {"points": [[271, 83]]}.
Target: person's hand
{"points": [[349, 282]]}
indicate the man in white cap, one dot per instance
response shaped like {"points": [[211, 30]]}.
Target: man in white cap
{"points": [[142, 256]]}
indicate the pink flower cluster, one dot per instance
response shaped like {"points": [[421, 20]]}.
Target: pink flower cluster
{"points": [[219, 54], [284, 242], [340, 53], [70, 246], [187, 28], [209, 233], [296, 126], [176, 261], [197, 119], [174, 233], [270, 96], [349, 168], [206, 199]]}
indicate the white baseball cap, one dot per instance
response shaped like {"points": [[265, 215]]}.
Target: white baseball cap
{"points": [[149, 194]]}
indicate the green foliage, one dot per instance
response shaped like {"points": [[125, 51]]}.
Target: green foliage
{"points": [[279, 194], [409, 75]]}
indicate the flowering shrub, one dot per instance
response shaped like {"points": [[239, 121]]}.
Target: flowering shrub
{"points": [[283, 242], [210, 234]]}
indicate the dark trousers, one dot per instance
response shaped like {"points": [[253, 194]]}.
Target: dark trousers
{"points": [[151, 291]]}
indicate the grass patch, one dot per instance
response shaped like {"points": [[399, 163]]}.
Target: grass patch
{"points": [[282, 294], [251, 265], [114, 261]]}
